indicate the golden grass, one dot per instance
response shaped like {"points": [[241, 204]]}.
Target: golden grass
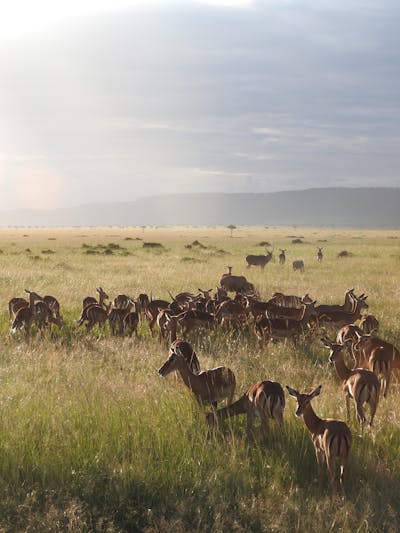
{"points": [[92, 439]]}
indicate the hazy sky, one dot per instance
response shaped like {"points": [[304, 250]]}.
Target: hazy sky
{"points": [[110, 100]]}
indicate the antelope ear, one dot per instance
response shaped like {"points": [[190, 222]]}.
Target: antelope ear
{"points": [[316, 392], [291, 391]]}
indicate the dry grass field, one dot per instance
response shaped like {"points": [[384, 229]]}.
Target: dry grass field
{"points": [[93, 439]]}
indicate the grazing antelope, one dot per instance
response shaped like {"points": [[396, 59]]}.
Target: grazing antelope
{"points": [[350, 332], [208, 387], [259, 260], [117, 315], [194, 320], [44, 316], [360, 384], [298, 265], [53, 305], [131, 322], [14, 305], [331, 438], [25, 316], [122, 301], [232, 283], [141, 303], [320, 255], [264, 399], [369, 324], [282, 257], [231, 313], [93, 314]]}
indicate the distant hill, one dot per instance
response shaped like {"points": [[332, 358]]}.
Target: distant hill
{"points": [[345, 207]]}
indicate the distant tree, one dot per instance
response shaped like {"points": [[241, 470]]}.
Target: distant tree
{"points": [[231, 227]]}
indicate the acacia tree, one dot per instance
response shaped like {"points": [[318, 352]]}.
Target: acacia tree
{"points": [[231, 227]]}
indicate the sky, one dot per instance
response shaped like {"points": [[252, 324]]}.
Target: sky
{"points": [[111, 100]]}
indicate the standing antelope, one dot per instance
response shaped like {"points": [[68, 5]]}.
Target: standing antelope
{"points": [[360, 384], [259, 260], [282, 257], [210, 386], [264, 399], [369, 324], [320, 255], [331, 438]]}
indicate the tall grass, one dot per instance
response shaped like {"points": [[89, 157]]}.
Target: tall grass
{"points": [[92, 439]]}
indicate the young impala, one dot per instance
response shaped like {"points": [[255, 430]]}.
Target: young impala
{"points": [[331, 438]]}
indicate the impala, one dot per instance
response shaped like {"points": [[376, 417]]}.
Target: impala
{"points": [[26, 315], [360, 384], [369, 324], [210, 386], [282, 257], [377, 355], [331, 438], [320, 255], [339, 319], [264, 399]]}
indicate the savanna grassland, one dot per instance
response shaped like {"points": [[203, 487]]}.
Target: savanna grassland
{"points": [[93, 439]]}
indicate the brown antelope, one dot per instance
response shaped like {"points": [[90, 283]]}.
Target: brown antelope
{"points": [[194, 320], [286, 300], [298, 264], [208, 387], [259, 260], [117, 315], [152, 310], [14, 305], [183, 349], [349, 332], [360, 384], [320, 255], [141, 303], [93, 314], [264, 399], [167, 325], [377, 355], [103, 296], [122, 301], [339, 319], [25, 316], [266, 328], [131, 322], [231, 313], [232, 283], [347, 306], [331, 438], [369, 324], [53, 305], [282, 257]]}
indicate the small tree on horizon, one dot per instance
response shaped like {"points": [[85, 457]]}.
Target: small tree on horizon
{"points": [[231, 227]]}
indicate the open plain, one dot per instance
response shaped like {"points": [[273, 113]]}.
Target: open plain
{"points": [[93, 439]]}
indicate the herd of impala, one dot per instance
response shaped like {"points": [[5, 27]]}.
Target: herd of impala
{"points": [[281, 317]]}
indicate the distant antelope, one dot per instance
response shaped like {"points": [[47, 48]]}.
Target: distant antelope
{"points": [[320, 255], [259, 260], [14, 305], [210, 386], [53, 304], [264, 399], [141, 303], [282, 257], [298, 265], [331, 438]]}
